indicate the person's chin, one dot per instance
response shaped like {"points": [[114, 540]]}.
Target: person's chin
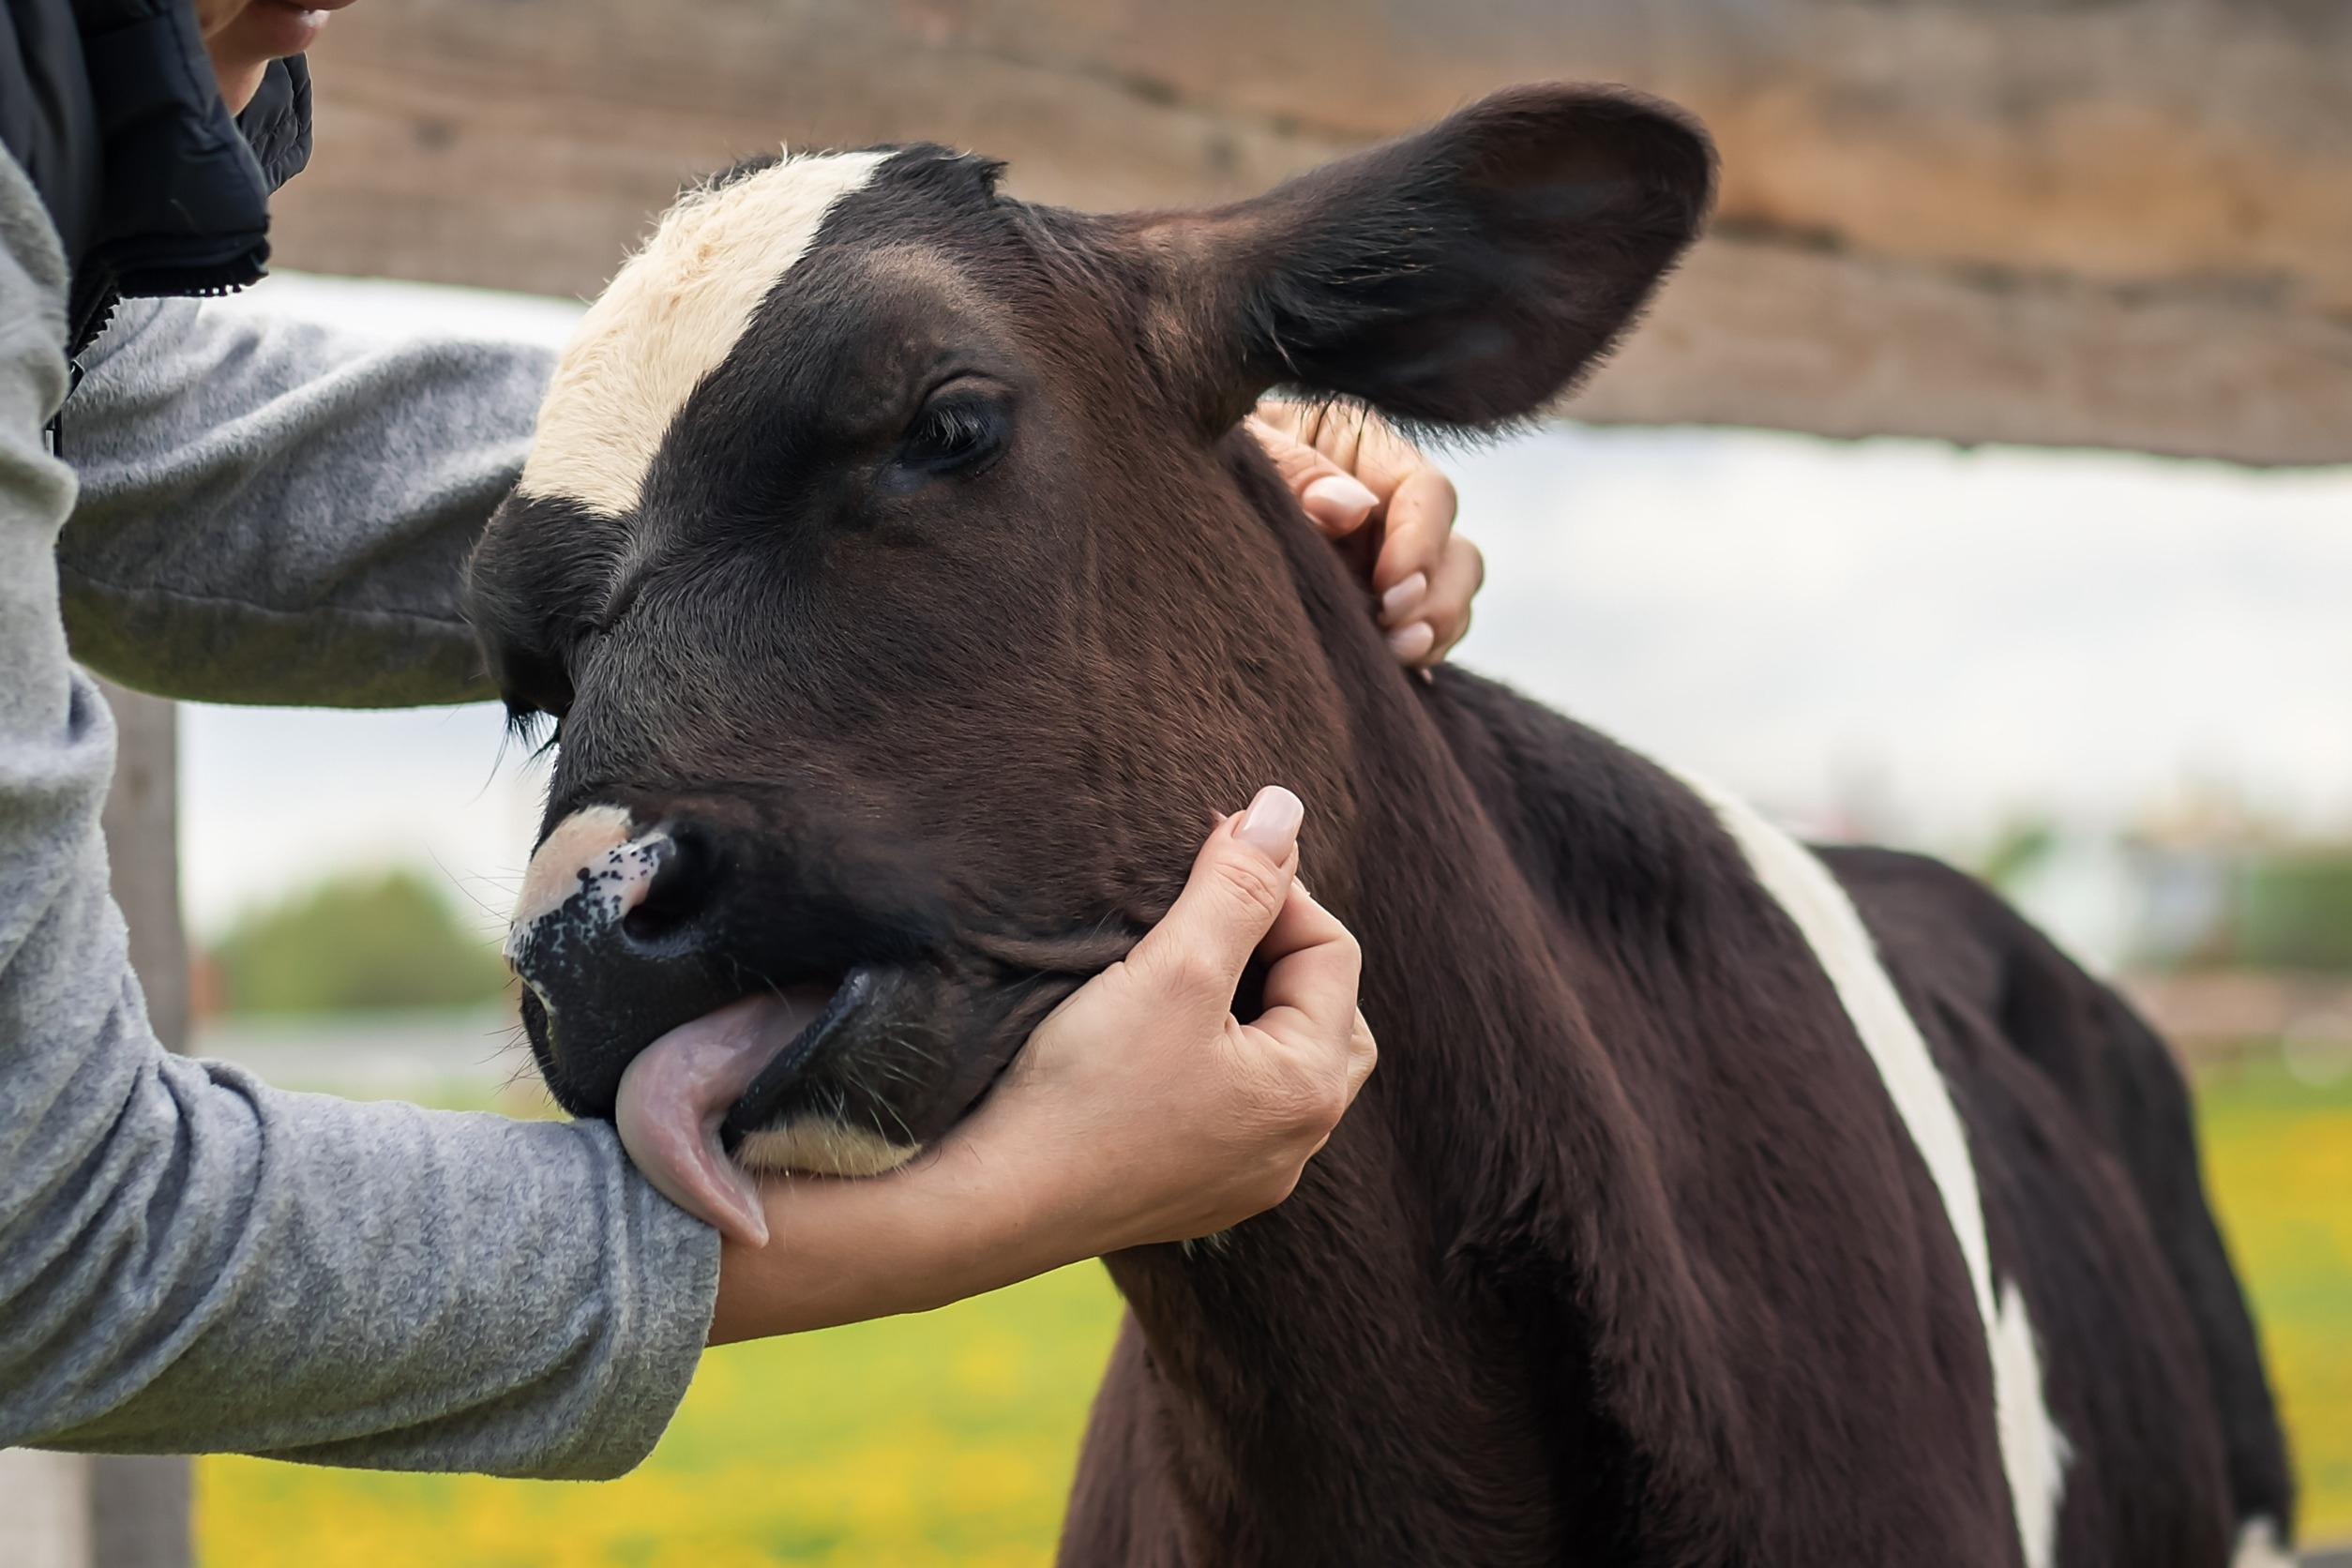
{"points": [[277, 28]]}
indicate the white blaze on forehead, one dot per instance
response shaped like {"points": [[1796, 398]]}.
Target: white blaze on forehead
{"points": [[671, 318]]}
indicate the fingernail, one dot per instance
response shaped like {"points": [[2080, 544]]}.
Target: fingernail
{"points": [[1404, 594], [1414, 642], [1339, 498], [1272, 823]]}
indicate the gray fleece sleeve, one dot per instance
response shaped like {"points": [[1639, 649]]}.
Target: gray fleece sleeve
{"points": [[192, 1261], [274, 511]]}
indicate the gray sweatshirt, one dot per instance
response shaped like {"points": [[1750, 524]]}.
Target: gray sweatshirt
{"points": [[190, 1260]]}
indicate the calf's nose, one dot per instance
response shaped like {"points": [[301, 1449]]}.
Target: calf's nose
{"points": [[609, 935], [596, 865]]}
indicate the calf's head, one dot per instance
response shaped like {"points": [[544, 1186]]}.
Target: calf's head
{"points": [[907, 603]]}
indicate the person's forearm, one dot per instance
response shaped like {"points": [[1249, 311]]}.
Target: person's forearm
{"points": [[190, 1260], [272, 511], [360, 1284]]}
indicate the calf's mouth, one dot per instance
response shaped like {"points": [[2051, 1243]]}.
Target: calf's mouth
{"points": [[741, 992], [705, 1104]]}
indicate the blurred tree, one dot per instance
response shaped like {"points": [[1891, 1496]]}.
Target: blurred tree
{"points": [[356, 943], [2295, 911], [2243, 901], [2020, 846]]}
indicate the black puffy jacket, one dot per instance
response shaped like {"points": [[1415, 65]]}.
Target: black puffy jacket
{"points": [[109, 106]]}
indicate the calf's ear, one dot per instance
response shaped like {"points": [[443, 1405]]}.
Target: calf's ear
{"points": [[1462, 275]]}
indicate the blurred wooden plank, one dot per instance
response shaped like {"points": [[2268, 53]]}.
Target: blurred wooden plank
{"points": [[2121, 224], [1756, 333]]}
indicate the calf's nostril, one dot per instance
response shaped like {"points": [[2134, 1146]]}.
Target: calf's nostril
{"points": [[687, 872]]}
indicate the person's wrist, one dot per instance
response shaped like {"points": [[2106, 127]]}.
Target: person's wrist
{"points": [[966, 1218], [998, 1210], [1025, 1196]]}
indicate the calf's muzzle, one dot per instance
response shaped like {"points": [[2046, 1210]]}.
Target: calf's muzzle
{"points": [[610, 936]]}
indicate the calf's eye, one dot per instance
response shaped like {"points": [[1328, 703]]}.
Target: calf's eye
{"points": [[956, 434]]}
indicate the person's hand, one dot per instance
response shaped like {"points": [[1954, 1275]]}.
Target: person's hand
{"points": [[1354, 475], [1141, 1111], [1190, 1120]]}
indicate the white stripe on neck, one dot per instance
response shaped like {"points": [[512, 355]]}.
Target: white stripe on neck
{"points": [[2033, 1451]]}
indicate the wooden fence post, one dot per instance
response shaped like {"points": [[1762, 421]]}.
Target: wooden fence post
{"points": [[139, 1505], [142, 848]]}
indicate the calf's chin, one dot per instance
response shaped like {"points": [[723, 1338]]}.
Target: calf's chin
{"points": [[823, 1146]]}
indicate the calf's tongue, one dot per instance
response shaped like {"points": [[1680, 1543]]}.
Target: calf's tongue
{"points": [[676, 1093]]}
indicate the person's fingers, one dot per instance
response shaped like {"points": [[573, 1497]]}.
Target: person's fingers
{"points": [[1286, 415], [1420, 523], [1313, 1047], [1446, 608], [1364, 1054], [1239, 886], [1425, 575], [1401, 602], [1352, 441], [1332, 428], [1414, 643], [1335, 500], [1314, 968]]}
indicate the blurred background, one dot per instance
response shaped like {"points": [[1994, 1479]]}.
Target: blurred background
{"points": [[1979, 486]]}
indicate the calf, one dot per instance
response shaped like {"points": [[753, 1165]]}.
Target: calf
{"points": [[906, 601]]}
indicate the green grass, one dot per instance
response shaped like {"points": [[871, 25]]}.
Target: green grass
{"points": [[2278, 1157], [949, 1438]]}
